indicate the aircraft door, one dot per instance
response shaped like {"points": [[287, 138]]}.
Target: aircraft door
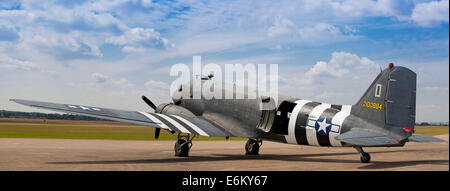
{"points": [[282, 116]]}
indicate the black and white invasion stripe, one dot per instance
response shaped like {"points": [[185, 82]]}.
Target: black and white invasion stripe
{"points": [[175, 123], [324, 140], [302, 122]]}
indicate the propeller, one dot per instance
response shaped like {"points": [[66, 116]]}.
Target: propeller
{"points": [[152, 105]]}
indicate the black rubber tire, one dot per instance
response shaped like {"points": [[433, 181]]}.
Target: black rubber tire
{"points": [[252, 147], [181, 151], [365, 157]]}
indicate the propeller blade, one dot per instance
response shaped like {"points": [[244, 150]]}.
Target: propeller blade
{"points": [[150, 103], [157, 130]]}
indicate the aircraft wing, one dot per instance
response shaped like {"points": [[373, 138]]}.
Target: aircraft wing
{"points": [[423, 138], [191, 125], [366, 138]]}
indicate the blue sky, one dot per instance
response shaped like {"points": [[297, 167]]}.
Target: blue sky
{"points": [[108, 53]]}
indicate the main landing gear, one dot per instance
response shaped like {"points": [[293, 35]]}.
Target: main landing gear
{"points": [[252, 146], [365, 157], [183, 144]]}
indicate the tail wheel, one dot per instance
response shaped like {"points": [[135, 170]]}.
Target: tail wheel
{"points": [[365, 157]]}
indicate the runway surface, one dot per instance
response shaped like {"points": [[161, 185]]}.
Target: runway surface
{"points": [[66, 154]]}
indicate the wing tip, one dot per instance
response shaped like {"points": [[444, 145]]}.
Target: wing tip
{"points": [[15, 100], [20, 101]]}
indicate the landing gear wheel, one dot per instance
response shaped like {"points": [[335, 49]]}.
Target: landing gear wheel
{"points": [[252, 146], [365, 157], [183, 145], [181, 148]]}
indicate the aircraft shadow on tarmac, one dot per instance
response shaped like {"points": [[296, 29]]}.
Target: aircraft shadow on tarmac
{"points": [[384, 164], [295, 157]]}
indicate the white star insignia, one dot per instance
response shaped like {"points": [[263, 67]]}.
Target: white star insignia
{"points": [[85, 108], [323, 125]]}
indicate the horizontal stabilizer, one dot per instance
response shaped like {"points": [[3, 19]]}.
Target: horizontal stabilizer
{"points": [[423, 138], [366, 138]]}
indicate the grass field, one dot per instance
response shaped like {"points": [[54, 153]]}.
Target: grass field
{"points": [[66, 129], [431, 130]]}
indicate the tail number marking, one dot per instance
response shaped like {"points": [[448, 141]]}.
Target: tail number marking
{"points": [[372, 105]]}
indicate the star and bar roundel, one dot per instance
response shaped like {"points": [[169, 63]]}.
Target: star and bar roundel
{"points": [[84, 108], [324, 126]]}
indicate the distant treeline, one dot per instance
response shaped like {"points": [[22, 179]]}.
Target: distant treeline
{"points": [[36, 115], [432, 124]]}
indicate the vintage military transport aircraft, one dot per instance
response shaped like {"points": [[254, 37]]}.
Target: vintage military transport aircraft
{"points": [[383, 117]]}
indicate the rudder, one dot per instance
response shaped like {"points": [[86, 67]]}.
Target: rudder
{"points": [[401, 98]]}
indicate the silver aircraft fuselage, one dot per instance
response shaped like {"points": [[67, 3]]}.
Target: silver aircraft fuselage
{"points": [[293, 122]]}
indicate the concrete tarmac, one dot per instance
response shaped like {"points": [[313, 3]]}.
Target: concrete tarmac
{"points": [[66, 154]]}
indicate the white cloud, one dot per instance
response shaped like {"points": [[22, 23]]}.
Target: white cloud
{"points": [[9, 63], [74, 44], [282, 27], [323, 33], [73, 32], [400, 9], [348, 29], [426, 14], [341, 80], [104, 79], [277, 47], [431, 13], [324, 68], [123, 83], [328, 95], [104, 5], [146, 3], [69, 29], [128, 49], [341, 64], [52, 73], [100, 78], [319, 33], [156, 84], [15, 64], [138, 39], [134, 35]]}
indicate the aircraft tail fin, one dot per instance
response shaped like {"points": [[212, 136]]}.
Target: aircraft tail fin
{"points": [[390, 101]]}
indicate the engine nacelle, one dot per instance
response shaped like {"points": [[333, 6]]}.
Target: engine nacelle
{"points": [[171, 109]]}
